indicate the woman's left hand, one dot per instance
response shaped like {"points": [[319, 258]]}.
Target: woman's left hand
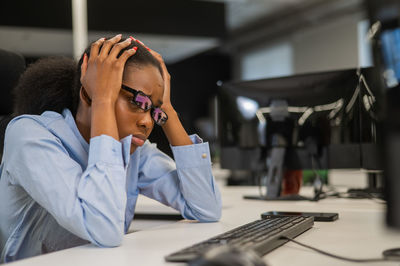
{"points": [[173, 129], [166, 78]]}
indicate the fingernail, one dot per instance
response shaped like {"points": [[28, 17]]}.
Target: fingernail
{"points": [[119, 35], [134, 48], [129, 40], [133, 39], [84, 56]]}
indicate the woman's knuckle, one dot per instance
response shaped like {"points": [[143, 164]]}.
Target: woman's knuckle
{"points": [[99, 62], [118, 64], [108, 62]]}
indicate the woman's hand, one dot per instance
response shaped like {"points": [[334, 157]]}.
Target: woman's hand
{"points": [[102, 79], [102, 72], [173, 128], [165, 75], [166, 78]]}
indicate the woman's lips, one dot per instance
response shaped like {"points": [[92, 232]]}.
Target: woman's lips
{"points": [[138, 140]]}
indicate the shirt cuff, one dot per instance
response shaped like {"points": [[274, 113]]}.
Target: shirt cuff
{"points": [[195, 155], [196, 139], [105, 149]]}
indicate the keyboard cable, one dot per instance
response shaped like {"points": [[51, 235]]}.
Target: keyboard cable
{"points": [[384, 259]]}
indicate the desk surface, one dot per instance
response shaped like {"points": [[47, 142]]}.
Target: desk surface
{"points": [[359, 233]]}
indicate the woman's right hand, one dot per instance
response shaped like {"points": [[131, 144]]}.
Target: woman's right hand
{"points": [[102, 78], [101, 73]]}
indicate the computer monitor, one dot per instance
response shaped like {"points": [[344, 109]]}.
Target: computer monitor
{"points": [[324, 120], [384, 15]]}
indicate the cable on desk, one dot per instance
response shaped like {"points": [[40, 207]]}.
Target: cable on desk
{"points": [[384, 259], [331, 192], [348, 195]]}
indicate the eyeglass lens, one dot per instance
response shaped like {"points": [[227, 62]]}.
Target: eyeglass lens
{"points": [[144, 102], [159, 116]]}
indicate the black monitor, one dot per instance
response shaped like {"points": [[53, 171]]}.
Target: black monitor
{"points": [[326, 120], [385, 16]]}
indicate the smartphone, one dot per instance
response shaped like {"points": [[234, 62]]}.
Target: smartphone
{"points": [[318, 216]]}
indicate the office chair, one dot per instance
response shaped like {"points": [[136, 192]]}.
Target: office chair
{"points": [[12, 65]]}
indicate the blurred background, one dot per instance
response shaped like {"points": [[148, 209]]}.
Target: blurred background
{"points": [[204, 42]]}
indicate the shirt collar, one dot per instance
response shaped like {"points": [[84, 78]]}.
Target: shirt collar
{"points": [[69, 119]]}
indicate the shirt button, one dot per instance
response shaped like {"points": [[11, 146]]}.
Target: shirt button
{"points": [[204, 156]]}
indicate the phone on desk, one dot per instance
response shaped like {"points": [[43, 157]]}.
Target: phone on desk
{"points": [[318, 216]]}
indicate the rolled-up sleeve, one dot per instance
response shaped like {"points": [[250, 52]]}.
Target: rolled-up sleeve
{"points": [[89, 203], [187, 184]]}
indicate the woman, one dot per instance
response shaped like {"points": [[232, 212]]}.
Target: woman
{"points": [[74, 175]]}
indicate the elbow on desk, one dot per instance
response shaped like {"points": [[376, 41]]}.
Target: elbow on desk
{"points": [[206, 216], [210, 218], [214, 214], [109, 241], [108, 237]]}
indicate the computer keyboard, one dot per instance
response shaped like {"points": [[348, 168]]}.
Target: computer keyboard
{"points": [[261, 236]]}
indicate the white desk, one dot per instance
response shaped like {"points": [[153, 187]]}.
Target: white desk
{"points": [[359, 232]]}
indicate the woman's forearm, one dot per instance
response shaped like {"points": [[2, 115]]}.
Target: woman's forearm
{"points": [[174, 130], [103, 121]]}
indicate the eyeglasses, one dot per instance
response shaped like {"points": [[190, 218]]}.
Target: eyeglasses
{"points": [[144, 102]]}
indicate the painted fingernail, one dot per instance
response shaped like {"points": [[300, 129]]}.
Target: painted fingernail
{"points": [[134, 48], [133, 39], [84, 56]]}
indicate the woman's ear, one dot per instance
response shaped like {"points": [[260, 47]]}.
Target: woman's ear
{"points": [[84, 66], [84, 97]]}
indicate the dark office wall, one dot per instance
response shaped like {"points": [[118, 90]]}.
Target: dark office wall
{"points": [[193, 86], [177, 17]]}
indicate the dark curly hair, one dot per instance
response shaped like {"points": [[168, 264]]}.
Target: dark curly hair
{"points": [[53, 84], [45, 85]]}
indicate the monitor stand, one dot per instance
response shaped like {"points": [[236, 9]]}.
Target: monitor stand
{"points": [[274, 179], [374, 189]]}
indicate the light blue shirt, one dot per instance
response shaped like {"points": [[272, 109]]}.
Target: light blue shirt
{"points": [[58, 191]]}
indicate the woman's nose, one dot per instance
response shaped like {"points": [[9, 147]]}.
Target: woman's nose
{"points": [[145, 120]]}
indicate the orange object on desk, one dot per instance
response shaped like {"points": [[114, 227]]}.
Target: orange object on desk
{"points": [[291, 183]]}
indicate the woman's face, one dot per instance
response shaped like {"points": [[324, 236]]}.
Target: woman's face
{"points": [[131, 120]]}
